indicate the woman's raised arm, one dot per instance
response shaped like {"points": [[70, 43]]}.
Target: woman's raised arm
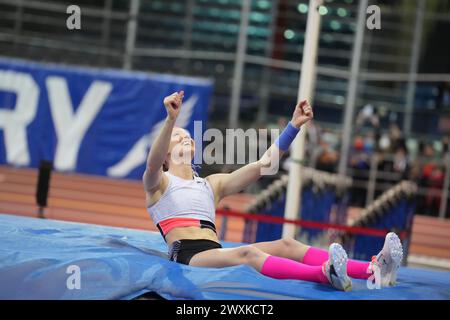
{"points": [[225, 184], [158, 152]]}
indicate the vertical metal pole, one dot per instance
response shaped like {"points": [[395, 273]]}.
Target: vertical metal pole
{"points": [[106, 27], [239, 65], [187, 39], [365, 54], [371, 183], [265, 83], [223, 228], [131, 34], [413, 66], [305, 91], [444, 195], [18, 20], [352, 87]]}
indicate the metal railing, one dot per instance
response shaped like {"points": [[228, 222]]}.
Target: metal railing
{"points": [[319, 179]]}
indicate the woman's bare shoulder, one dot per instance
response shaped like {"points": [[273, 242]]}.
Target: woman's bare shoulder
{"points": [[153, 195]]}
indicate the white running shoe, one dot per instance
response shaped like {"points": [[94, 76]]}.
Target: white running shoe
{"points": [[335, 269], [388, 260]]}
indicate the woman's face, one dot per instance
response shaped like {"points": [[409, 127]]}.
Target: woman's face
{"points": [[181, 144]]}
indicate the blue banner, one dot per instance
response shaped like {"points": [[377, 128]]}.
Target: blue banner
{"points": [[92, 121]]}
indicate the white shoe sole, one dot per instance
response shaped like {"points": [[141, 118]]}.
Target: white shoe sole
{"points": [[338, 258], [396, 254]]}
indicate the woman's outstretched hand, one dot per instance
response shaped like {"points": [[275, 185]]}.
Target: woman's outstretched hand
{"points": [[173, 104], [302, 114]]}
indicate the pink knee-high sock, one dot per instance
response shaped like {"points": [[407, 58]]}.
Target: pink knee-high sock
{"points": [[282, 268], [355, 269]]}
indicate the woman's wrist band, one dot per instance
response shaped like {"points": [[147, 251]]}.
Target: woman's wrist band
{"points": [[286, 137]]}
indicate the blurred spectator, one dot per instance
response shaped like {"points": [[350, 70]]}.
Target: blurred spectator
{"points": [[367, 114], [415, 171], [432, 179], [434, 192], [396, 138], [428, 151], [369, 143], [401, 163], [443, 97], [384, 143], [325, 156], [445, 146], [359, 158]]}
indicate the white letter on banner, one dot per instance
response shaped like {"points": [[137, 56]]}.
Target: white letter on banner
{"points": [[14, 122], [70, 126]]}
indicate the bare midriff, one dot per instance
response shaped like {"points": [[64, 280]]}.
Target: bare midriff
{"points": [[191, 233]]}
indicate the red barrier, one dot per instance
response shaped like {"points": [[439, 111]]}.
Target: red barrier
{"points": [[308, 224]]}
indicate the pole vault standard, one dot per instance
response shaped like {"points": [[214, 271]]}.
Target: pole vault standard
{"points": [[305, 91], [352, 89]]}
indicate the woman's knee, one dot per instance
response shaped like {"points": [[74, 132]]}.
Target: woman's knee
{"points": [[250, 254], [290, 246], [289, 243]]}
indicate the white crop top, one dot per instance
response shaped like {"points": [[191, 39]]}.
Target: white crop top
{"points": [[184, 199]]}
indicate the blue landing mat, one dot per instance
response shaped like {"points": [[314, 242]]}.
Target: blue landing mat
{"points": [[118, 263]]}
